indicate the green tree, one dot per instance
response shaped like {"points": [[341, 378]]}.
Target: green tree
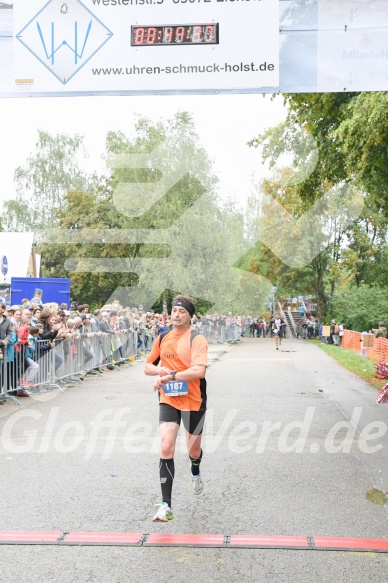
{"points": [[299, 245], [43, 181], [263, 223], [350, 144], [363, 139], [206, 239], [81, 212], [185, 242], [360, 307]]}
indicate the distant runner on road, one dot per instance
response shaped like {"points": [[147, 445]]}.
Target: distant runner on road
{"points": [[278, 330], [179, 359]]}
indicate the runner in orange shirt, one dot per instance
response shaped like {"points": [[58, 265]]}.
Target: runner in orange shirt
{"points": [[179, 359]]}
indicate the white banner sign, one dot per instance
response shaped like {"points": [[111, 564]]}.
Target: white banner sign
{"points": [[146, 45], [352, 47], [122, 47]]}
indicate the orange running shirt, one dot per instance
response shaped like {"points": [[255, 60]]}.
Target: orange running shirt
{"points": [[175, 353]]}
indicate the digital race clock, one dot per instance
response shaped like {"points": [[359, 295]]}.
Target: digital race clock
{"points": [[175, 34]]}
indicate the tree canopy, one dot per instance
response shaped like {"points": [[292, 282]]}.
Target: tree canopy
{"points": [[154, 224], [336, 144], [154, 227], [44, 180]]}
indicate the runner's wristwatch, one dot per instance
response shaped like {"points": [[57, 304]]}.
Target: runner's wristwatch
{"points": [[173, 373]]}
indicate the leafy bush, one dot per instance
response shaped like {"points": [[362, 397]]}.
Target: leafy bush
{"points": [[360, 307]]}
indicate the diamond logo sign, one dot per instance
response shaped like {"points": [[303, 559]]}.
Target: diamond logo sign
{"points": [[64, 36]]}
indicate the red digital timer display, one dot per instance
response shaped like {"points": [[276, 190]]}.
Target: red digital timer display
{"points": [[175, 34]]}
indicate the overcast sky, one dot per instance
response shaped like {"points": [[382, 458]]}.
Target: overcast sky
{"points": [[224, 123]]}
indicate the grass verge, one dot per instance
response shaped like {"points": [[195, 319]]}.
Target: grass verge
{"points": [[365, 369]]}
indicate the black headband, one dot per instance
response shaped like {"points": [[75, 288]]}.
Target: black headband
{"points": [[189, 307]]}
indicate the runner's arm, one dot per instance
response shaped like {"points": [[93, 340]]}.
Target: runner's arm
{"points": [[197, 371], [153, 370]]}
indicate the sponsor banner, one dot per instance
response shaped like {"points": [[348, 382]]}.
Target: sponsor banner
{"points": [[70, 47], [145, 45]]}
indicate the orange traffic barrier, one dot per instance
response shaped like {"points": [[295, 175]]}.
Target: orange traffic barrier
{"points": [[379, 351], [354, 341]]}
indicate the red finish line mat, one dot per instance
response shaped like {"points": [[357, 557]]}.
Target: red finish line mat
{"points": [[268, 542], [133, 539], [184, 540], [234, 541], [19, 537]]}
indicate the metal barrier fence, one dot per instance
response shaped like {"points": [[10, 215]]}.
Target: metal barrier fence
{"points": [[215, 334], [54, 363], [145, 342], [233, 334]]}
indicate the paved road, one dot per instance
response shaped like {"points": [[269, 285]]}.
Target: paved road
{"points": [[276, 461]]}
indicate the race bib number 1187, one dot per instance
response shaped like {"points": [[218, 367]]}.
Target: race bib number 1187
{"points": [[176, 388]]}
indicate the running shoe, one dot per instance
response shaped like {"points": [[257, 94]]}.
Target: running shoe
{"points": [[196, 484], [164, 514]]}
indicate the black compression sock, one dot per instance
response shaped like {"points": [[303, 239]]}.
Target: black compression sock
{"points": [[167, 472], [195, 464]]}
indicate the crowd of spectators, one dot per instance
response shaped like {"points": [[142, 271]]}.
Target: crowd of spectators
{"points": [[234, 326], [22, 326], [32, 328], [336, 332]]}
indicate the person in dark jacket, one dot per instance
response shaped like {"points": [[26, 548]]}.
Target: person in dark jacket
{"points": [[50, 332], [5, 328], [5, 337], [381, 332]]}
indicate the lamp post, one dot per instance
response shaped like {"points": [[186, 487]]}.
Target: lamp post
{"points": [[274, 290]]}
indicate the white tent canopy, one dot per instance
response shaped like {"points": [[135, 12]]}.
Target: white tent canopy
{"points": [[19, 252]]}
